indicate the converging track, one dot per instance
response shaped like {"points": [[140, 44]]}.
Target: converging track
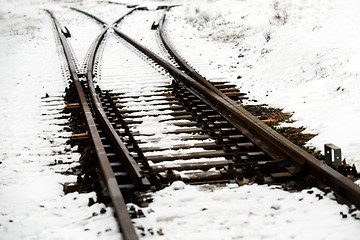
{"points": [[154, 120]]}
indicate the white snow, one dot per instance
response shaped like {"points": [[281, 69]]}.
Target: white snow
{"points": [[248, 212], [298, 55], [305, 62], [32, 202]]}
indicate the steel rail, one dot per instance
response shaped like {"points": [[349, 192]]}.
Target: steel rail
{"points": [[126, 158], [270, 141], [101, 21], [118, 201], [90, 15], [122, 18]]}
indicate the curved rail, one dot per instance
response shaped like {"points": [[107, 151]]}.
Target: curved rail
{"points": [[135, 172], [271, 142], [267, 139], [118, 201], [90, 15], [103, 22]]}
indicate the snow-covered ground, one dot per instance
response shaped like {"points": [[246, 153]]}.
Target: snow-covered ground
{"points": [[32, 202], [298, 55]]}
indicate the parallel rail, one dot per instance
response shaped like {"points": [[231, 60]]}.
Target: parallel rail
{"points": [[270, 141], [267, 139], [117, 198]]}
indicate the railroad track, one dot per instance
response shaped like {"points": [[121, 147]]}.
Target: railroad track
{"points": [[155, 120]]}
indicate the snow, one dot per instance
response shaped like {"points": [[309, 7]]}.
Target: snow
{"points": [[308, 66], [305, 61], [247, 212], [32, 202]]}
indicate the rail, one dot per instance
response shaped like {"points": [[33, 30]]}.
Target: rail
{"points": [[271, 142], [118, 201], [266, 138], [135, 172]]}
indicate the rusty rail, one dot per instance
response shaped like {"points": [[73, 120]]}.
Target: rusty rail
{"points": [[133, 168], [90, 15], [271, 142], [118, 201], [266, 138], [103, 22]]}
